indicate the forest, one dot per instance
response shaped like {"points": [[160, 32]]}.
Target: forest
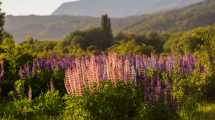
{"points": [[173, 75]]}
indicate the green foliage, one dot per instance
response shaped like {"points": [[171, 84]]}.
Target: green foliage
{"points": [[107, 102], [199, 39], [75, 108], [14, 56], [48, 106], [156, 112], [132, 47], [192, 85], [20, 88], [98, 39], [50, 103], [93, 37], [151, 40], [22, 106], [116, 102], [120, 101]]}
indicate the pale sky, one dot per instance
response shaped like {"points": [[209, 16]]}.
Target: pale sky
{"points": [[29, 7]]}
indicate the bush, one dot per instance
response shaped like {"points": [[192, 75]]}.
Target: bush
{"points": [[118, 102], [75, 108], [131, 47], [115, 102], [156, 112], [50, 103]]}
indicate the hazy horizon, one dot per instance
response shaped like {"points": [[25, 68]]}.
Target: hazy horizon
{"points": [[31, 7]]}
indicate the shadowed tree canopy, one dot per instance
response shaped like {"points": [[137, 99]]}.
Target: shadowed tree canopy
{"points": [[98, 39]]}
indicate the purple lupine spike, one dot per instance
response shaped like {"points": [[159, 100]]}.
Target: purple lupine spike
{"points": [[158, 88], [27, 70], [34, 68], [62, 65], [192, 62], [42, 64], [202, 69], [89, 69], [169, 64], [21, 72], [1, 70]]}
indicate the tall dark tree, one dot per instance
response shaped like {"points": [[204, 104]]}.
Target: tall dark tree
{"points": [[106, 26], [2, 15], [107, 31]]}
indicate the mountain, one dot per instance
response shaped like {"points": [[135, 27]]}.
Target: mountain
{"points": [[56, 27], [200, 14], [119, 8]]}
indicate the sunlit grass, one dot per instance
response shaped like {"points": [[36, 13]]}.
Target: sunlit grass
{"points": [[205, 111]]}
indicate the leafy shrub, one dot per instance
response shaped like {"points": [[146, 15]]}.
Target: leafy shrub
{"points": [[50, 103], [19, 108], [131, 46], [156, 112], [118, 102], [75, 108], [115, 102]]}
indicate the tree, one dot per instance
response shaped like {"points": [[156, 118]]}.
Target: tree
{"points": [[95, 39], [2, 15], [106, 25], [196, 40], [132, 47], [106, 28]]}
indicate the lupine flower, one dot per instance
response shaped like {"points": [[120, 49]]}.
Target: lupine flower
{"points": [[1, 70], [202, 69], [88, 70]]}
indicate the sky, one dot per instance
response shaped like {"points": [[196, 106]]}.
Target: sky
{"points": [[30, 7]]}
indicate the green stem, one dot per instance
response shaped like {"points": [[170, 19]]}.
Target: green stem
{"points": [[29, 92]]}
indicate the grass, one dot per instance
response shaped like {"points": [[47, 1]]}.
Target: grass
{"points": [[205, 111]]}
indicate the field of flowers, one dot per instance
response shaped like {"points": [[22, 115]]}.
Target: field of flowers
{"points": [[168, 83], [155, 74], [95, 75]]}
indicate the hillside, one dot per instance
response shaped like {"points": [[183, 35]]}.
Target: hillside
{"points": [[46, 27], [119, 8], [56, 27], [200, 14]]}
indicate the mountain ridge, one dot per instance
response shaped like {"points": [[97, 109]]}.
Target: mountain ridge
{"points": [[199, 14], [117, 8]]}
